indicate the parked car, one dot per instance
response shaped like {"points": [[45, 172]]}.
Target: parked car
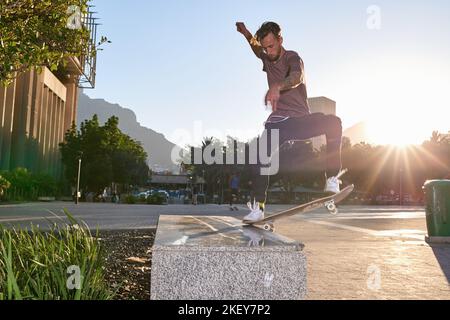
{"points": [[164, 194], [144, 194]]}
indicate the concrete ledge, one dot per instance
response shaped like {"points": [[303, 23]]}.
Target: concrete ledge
{"points": [[203, 258]]}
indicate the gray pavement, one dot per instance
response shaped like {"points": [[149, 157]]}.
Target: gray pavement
{"points": [[363, 253]]}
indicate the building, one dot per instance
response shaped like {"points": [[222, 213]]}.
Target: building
{"points": [[38, 108], [323, 105]]}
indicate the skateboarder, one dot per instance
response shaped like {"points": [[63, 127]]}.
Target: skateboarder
{"points": [[287, 96]]}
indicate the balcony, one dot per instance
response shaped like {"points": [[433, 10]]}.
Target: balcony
{"points": [[85, 65]]}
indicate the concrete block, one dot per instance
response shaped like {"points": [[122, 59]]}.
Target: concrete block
{"points": [[208, 257]]}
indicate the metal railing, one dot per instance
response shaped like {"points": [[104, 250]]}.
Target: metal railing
{"points": [[89, 60]]}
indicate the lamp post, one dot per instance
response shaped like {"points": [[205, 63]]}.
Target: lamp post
{"points": [[203, 181], [221, 187], [78, 179], [401, 187]]}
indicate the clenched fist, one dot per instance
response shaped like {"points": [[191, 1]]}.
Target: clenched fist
{"points": [[241, 28]]}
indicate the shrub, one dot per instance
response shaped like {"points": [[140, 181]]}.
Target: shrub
{"points": [[155, 199], [4, 185], [36, 265], [25, 185], [130, 199]]}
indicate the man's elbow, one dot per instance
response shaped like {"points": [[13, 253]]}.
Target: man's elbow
{"points": [[297, 79]]}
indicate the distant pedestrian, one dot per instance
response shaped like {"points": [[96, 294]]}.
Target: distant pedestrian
{"points": [[250, 189], [194, 195], [234, 182]]}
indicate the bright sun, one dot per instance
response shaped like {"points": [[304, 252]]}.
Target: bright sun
{"points": [[402, 99], [397, 134]]}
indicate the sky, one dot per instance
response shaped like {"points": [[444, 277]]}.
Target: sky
{"points": [[186, 72]]}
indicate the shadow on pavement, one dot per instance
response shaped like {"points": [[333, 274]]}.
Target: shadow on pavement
{"points": [[442, 254]]}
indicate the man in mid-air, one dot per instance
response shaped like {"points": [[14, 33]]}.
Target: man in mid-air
{"points": [[290, 110]]}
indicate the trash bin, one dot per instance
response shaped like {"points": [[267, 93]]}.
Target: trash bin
{"points": [[437, 207]]}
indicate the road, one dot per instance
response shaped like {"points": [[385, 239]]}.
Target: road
{"points": [[109, 216]]}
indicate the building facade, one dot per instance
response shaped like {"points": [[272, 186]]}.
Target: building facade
{"points": [[38, 108], [35, 112]]}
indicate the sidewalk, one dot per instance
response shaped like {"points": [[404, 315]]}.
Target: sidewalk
{"points": [[371, 258]]}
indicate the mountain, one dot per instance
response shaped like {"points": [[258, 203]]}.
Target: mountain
{"points": [[155, 144], [357, 133]]}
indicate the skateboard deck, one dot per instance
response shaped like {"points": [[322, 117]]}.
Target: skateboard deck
{"points": [[328, 202]]}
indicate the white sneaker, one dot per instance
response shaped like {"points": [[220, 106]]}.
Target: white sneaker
{"points": [[255, 214], [333, 183]]}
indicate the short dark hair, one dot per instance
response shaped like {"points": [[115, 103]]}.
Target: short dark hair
{"points": [[266, 28]]}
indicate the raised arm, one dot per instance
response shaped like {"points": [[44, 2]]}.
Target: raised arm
{"points": [[254, 44]]}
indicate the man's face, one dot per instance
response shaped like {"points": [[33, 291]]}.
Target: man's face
{"points": [[272, 46]]}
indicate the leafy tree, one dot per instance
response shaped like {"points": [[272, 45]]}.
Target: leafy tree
{"points": [[436, 152], [128, 157], [70, 151], [96, 162], [37, 33], [108, 156]]}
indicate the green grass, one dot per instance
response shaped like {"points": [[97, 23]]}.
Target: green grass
{"points": [[34, 264]]}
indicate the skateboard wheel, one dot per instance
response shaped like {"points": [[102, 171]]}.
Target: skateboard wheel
{"points": [[331, 207], [268, 227], [334, 212]]}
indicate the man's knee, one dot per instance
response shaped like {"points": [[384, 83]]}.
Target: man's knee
{"points": [[334, 124]]}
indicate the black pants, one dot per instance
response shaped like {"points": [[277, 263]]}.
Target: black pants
{"points": [[303, 128]]}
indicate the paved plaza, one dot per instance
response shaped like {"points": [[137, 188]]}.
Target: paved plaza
{"points": [[365, 252]]}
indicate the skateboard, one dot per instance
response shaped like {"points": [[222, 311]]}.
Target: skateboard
{"points": [[328, 202]]}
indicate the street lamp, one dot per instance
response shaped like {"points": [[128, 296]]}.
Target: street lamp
{"points": [[401, 187], [203, 181], [77, 195]]}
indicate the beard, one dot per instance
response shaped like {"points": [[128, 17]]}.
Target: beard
{"points": [[275, 57]]}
